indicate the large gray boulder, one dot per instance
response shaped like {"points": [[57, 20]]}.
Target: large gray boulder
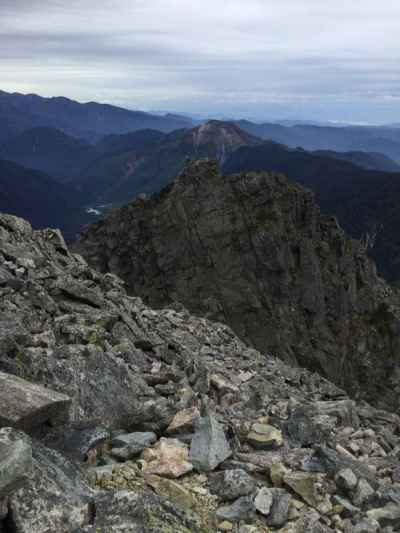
{"points": [[55, 498], [28, 406], [15, 461]]}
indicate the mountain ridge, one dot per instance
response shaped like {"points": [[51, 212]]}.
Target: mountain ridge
{"points": [[252, 250]]}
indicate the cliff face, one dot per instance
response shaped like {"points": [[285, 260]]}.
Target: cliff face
{"points": [[253, 251]]}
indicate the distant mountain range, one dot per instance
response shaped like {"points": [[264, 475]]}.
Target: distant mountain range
{"points": [[152, 161], [40, 199], [83, 155], [385, 140], [90, 121]]}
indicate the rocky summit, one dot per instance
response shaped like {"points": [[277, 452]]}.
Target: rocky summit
{"points": [[155, 421], [253, 251]]}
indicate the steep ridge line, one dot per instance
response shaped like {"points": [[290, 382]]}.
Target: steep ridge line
{"points": [[283, 276]]}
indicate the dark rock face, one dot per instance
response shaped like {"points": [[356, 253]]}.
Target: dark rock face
{"points": [[253, 251]]}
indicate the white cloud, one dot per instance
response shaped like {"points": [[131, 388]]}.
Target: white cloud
{"points": [[202, 54]]}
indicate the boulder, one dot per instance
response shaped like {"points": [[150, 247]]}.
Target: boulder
{"points": [[279, 512], [346, 479], [28, 406], [169, 458], [129, 445], [55, 498], [15, 461], [264, 437], [240, 509], [263, 501], [183, 421], [209, 446], [231, 484], [134, 512]]}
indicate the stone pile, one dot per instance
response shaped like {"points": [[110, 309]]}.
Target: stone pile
{"points": [[165, 422]]}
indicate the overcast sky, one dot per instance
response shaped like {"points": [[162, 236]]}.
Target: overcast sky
{"points": [[317, 59]]}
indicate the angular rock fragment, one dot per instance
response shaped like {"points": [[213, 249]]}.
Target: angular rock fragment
{"points": [[209, 446], [129, 445], [265, 437], [183, 421], [263, 501], [279, 511], [231, 484], [55, 498], [131, 512], [169, 458], [240, 509], [28, 406], [310, 487], [346, 479]]}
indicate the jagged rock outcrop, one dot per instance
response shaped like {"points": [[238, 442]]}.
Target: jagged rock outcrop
{"points": [[293, 451], [253, 251]]}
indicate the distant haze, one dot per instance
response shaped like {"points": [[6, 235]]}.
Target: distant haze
{"points": [[310, 59]]}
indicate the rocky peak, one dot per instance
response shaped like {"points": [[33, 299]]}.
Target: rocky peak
{"points": [[252, 250], [125, 418], [222, 137]]}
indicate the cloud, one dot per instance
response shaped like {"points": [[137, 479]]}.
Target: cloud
{"points": [[227, 56]]}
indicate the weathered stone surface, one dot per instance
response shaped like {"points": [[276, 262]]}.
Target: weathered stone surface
{"points": [[310, 487], [265, 437], [279, 511], [263, 501], [231, 484], [54, 499], [15, 461], [183, 421], [240, 509], [169, 458], [172, 491], [130, 512], [260, 257], [386, 516], [129, 445], [346, 479], [28, 406], [80, 442], [209, 446]]}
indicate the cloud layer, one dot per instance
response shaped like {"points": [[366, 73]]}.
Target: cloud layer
{"points": [[310, 59]]}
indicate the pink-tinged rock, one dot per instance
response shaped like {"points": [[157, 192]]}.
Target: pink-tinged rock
{"points": [[168, 458], [183, 421]]}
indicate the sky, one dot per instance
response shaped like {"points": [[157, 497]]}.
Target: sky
{"points": [[267, 59]]}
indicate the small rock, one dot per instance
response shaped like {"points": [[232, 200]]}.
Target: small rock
{"points": [[363, 493], [307, 486], [240, 509], [265, 437], [346, 479], [139, 440], [168, 458], [386, 516], [225, 526], [209, 446], [231, 484], [263, 501], [366, 526], [277, 473], [171, 490], [183, 421], [279, 512]]}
